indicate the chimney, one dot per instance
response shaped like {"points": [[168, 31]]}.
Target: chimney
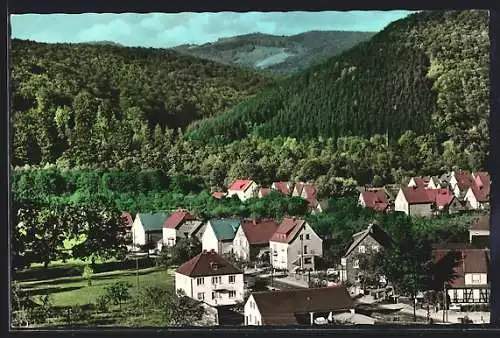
{"points": [[204, 252]]}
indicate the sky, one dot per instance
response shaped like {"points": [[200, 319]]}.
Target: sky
{"points": [[162, 30]]}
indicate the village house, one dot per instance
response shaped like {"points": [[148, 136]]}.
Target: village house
{"points": [[480, 230], [375, 199], [284, 188], [477, 196], [244, 189], [147, 229], [419, 181], [210, 278], [295, 245], [464, 274], [219, 235], [180, 224], [263, 192], [219, 195], [425, 202], [307, 191], [460, 182], [365, 245], [297, 307], [251, 241]]}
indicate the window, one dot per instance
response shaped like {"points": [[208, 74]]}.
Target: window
{"points": [[201, 296], [362, 249], [308, 260], [213, 295], [476, 278], [232, 294], [375, 248], [356, 264], [301, 237], [246, 320], [308, 236], [216, 280], [186, 234], [200, 281], [232, 279], [305, 249]]}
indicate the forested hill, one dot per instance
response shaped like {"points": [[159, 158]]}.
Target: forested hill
{"points": [[64, 94], [277, 54], [427, 73]]}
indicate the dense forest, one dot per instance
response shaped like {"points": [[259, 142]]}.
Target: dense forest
{"points": [[279, 55], [427, 73], [67, 96], [126, 109]]}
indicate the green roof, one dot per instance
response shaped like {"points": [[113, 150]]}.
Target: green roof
{"points": [[225, 229], [153, 221]]}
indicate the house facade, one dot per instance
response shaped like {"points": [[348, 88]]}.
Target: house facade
{"points": [[297, 307], [148, 228], [251, 241], [460, 182], [480, 230], [469, 283], [210, 278], [477, 196], [365, 245], [219, 234], [295, 245], [180, 224], [425, 202], [419, 181], [244, 189]]}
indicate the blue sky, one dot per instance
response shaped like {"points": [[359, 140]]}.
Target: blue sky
{"points": [[163, 30]]}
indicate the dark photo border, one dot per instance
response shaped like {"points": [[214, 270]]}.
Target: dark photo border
{"points": [[144, 6]]}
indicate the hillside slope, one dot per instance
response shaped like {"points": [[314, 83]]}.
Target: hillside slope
{"points": [[427, 73], [64, 94], [278, 54]]}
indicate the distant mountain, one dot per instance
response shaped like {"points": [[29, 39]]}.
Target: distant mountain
{"points": [[278, 54], [428, 73], [104, 43]]}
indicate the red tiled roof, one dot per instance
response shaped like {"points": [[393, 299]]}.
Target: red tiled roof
{"points": [[281, 307], [287, 230], [481, 191], [264, 191], [464, 179], [310, 192], [482, 178], [218, 195], [259, 232], [375, 199], [177, 218], [241, 185], [482, 223], [416, 195], [127, 218], [282, 187], [207, 264], [471, 261]]}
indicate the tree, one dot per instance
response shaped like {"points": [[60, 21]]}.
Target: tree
{"points": [[182, 251], [118, 293]]}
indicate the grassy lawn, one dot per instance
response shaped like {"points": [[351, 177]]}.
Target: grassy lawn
{"points": [[67, 288]]}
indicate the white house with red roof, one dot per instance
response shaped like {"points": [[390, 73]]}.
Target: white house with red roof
{"points": [[180, 224], [252, 238], [212, 279], [263, 191], [244, 189], [284, 188], [423, 202], [478, 194], [295, 245], [307, 191], [465, 274], [460, 182], [375, 199]]}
